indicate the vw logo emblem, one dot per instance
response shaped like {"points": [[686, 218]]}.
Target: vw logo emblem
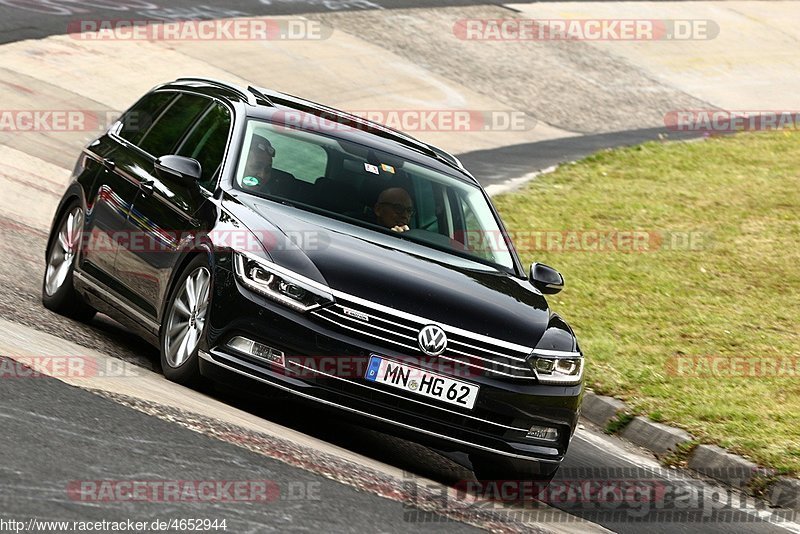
{"points": [[432, 340]]}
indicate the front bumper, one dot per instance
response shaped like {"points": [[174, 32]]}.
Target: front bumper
{"points": [[497, 425]]}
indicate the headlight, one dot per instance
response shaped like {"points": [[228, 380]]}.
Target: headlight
{"points": [[557, 367], [280, 284]]}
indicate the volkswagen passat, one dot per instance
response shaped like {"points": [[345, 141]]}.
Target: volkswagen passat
{"points": [[259, 237]]}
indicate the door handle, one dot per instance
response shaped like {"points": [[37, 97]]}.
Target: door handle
{"points": [[109, 164], [147, 187]]}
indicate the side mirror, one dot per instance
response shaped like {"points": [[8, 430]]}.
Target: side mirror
{"points": [[185, 171], [546, 279]]}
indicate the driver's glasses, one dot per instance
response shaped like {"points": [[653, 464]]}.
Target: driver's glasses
{"points": [[400, 209]]}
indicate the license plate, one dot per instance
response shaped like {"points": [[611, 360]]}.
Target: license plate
{"points": [[421, 382]]}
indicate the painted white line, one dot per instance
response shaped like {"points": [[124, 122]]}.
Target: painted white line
{"points": [[515, 183]]}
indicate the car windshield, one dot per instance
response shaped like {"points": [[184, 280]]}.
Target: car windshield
{"points": [[371, 188]]}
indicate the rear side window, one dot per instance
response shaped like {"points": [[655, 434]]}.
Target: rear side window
{"points": [[207, 141], [164, 134], [138, 120]]}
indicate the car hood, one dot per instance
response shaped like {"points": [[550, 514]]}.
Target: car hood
{"points": [[400, 274]]}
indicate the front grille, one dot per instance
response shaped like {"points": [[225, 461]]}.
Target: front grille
{"points": [[398, 331]]}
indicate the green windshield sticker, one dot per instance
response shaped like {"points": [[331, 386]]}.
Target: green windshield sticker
{"points": [[251, 181]]}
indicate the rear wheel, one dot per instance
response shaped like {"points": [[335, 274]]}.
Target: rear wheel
{"points": [[58, 290], [184, 324]]}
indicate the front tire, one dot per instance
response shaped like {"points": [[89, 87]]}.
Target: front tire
{"points": [[58, 289], [184, 323]]}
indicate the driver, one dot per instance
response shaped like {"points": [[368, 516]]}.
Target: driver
{"points": [[394, 209]]}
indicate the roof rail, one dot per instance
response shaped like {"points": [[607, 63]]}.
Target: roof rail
{"points": [[448, 156], [375, 127], [260, 95], [247, 96]]}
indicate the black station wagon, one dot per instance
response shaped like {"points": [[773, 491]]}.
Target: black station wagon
{"points": [[262, 238]]}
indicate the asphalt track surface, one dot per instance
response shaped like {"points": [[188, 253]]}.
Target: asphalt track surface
{"points": [[66, 429], [54, 433], [496, 166], [34, 19]]}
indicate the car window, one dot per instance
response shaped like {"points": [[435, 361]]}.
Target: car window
{"points": [[472, 235], [426, 207], [305, 161], [207, 141], [372, 188], [141, 116], [164, 134]]}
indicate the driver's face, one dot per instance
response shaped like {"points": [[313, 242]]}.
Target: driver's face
{"points": [[394, 208]]}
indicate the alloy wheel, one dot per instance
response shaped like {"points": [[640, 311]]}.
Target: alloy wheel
{"points": [[63, 252], [187, 317]]}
